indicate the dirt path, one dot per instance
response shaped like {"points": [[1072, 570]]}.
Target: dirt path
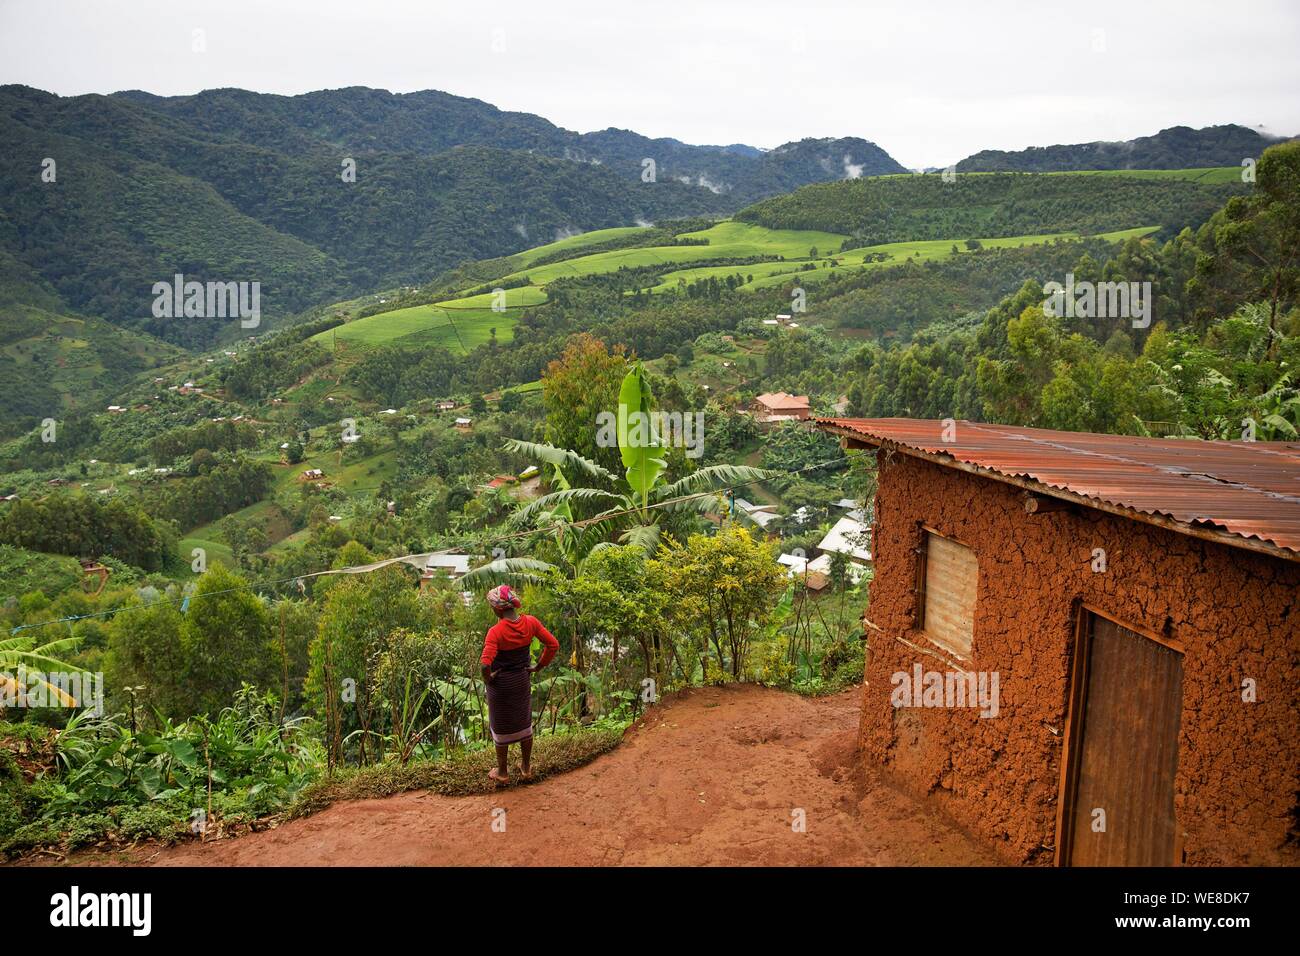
{"points": [[711, 778]]}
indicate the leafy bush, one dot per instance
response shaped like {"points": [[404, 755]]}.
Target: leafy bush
{"points": [[97, 779]]}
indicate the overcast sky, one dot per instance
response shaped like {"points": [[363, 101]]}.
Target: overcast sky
{"points": [[931, 82]]}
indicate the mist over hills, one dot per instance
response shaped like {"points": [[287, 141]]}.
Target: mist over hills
{"points": [[229, 184]]}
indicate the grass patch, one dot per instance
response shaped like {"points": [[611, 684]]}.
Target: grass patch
{"points": [[464, 774], [1208, 174], [451, 324], [769, 274]]}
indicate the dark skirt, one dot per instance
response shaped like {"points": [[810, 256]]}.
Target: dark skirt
{"points": [[510, 698]]}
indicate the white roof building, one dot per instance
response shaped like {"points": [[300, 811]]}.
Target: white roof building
{"points": [[850, 538], [794, 562], [455, 565]]}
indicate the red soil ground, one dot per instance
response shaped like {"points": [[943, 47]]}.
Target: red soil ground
{"points": [[711, 778]]}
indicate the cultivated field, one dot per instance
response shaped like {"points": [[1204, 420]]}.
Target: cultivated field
{"points": [[465, 323]]}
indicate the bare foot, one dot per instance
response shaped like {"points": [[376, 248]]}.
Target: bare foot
{"points": [[525, 774], [501, 778]]}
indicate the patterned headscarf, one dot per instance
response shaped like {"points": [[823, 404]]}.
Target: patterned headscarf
{"points": [[502, 597]]}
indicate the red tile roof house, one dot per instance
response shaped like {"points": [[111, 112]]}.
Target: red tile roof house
{"points": [[1125, 613], [781, 407]]}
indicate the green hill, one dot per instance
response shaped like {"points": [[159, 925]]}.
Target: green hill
{"points": [[814, 233], [139, 196], [909, 208], [1178, 147]]}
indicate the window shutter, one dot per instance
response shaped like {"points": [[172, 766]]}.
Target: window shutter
{"points": [[951, 571]]}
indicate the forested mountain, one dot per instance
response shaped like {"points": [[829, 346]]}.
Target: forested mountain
{"points": [[235, 186], [1178, 147], [899, 208], [429, 121], [138, 197]]}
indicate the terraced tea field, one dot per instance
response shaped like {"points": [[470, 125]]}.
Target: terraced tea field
{"points": [[465, 323]]}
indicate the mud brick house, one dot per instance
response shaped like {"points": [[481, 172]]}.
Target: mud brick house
{"points": [[1086, 648]]}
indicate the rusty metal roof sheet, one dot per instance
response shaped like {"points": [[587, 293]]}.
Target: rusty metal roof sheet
{"points": [[1246, 493]]}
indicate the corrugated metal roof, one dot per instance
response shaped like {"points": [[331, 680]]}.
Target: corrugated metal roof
{"points": [[1244, 490]]}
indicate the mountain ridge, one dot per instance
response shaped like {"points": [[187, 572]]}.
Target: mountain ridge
{"points": [[1176, 147]]}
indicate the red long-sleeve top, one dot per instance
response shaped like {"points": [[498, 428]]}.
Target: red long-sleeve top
{"points": [[507, 635]]}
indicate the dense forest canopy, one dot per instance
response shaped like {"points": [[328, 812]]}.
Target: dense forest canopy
{"points": [[1178, 147]]}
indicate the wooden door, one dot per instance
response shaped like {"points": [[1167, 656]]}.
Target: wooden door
{"points": [[1125, 712]]}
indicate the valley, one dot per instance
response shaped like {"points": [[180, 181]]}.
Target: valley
{"points": [[232, 522]]}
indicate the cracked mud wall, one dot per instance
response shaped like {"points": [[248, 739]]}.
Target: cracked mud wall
{"points": [[1236, 613]]}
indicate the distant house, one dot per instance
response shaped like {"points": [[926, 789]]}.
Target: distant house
{"points": [[850, 538], [761, 515], [465, 424], [803, 570], [57, 481], [781, 407], [9, 498], [446, 405], [116, 409], [313, 474], [500, 481], [451, 566]]}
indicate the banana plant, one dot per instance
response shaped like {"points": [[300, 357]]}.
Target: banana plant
{"points": [[23, 660], [590, 507]]}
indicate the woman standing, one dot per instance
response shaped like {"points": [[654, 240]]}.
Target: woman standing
{"points": [[506, 673]]}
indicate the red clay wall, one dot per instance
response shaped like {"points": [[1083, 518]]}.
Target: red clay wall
{"points": [[1236, 613]]}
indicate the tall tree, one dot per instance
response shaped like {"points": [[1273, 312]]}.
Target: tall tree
{"points": [[579, 385]]}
